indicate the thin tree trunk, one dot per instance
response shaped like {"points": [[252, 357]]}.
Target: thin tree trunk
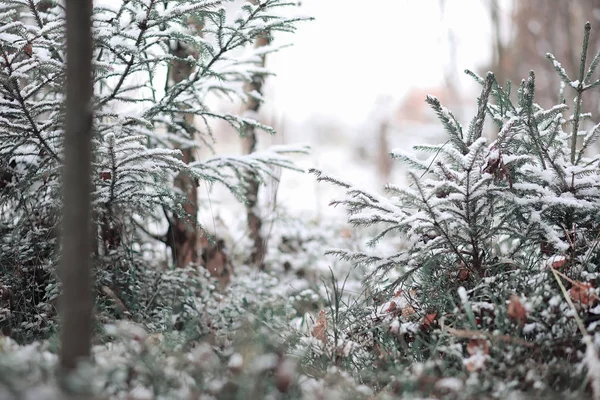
{"points": [[249, 144], [498, 56], [384, 161], [77, 297], [182, 236]]}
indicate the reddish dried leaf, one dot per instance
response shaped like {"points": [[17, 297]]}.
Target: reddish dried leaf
{"points": [[582, 292], [105, 175], [428, 319], [391, 307], [320, 329], [463, 274], [516, 311], [559, 263], [476, 345], [28, 49]]}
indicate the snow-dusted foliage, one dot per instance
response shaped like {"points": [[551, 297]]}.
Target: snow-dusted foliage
{"points": [[480, 275], [144, 114], [492, 230]]}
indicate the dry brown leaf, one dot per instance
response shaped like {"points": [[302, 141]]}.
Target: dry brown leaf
{"points": [[391, 307], [428, 319], [476, 345], [463, 274], [516, 311], [319, 331], [582, 292], [408, 310], [558, 264]]}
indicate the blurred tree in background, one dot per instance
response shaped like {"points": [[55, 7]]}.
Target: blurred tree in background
{"points": [[530, 29]]}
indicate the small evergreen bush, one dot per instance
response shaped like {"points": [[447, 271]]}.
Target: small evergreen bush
{"points": [[496, 287], [139, 131]]}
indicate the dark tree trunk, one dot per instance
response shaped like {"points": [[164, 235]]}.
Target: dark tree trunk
{"points": [[182, 235], [250, 141], [77, 298]]}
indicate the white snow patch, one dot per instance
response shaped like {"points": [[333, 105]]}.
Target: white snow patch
{"points": [[452, 384]]}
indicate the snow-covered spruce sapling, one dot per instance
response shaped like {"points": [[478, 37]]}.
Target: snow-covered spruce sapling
{"points": [[483, 225], [446, 214], [138, 128]]}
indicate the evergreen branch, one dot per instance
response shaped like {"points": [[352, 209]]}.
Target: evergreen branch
{"points": [[590, 139], [143, 28], [559, 69], [16, 93], [321, 177], [160, 238], [450, 124], [579, 88], [593, 85], [532, 126], [185, 85], [436, 223], [38, 20], [592, 69], [476, 126], [475, 76]]}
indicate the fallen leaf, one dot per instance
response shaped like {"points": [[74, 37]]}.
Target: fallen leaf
{"points": [[428, 319], [478, 345], [408, 310], [391, 307], [320, 329], [582, 292], [463, 274], [557, 262], [516, 311]]}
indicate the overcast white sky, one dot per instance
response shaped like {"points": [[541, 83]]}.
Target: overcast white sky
{"points": [[356, 50]]}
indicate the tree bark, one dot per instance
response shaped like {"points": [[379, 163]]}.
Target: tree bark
{"points": [[183, 236], [384, 161], [249, 144], [77, 297]]}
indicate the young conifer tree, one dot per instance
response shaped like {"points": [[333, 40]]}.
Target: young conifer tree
{"points": [[501, 255], [139, 126]]}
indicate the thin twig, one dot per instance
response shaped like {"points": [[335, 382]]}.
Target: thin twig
{"points": [[474, 334], [580, 89]]}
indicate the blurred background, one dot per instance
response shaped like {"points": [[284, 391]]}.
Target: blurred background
{"points": [[353, 83]]}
